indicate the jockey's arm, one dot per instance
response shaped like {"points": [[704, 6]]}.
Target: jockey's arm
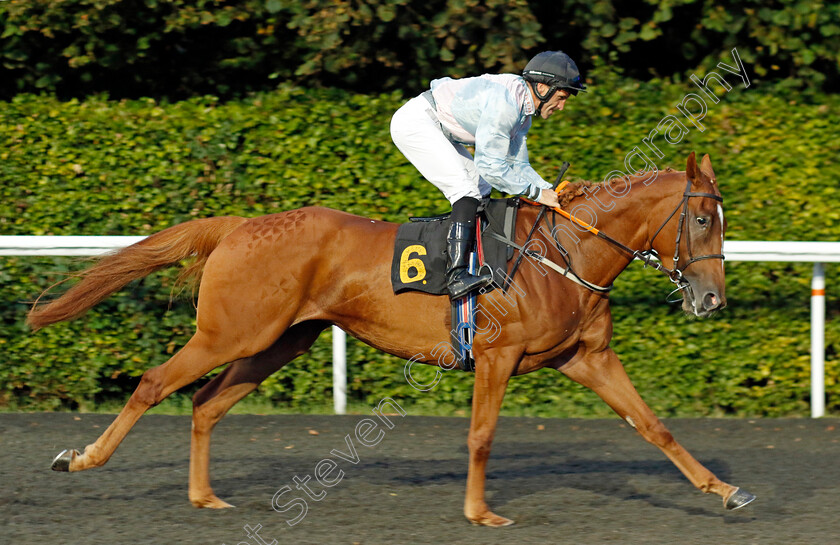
{"points": [[502, 161], [519, 150]]}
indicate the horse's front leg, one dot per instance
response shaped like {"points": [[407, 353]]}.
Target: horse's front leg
{"points": [[605, 375], [491, 379]]}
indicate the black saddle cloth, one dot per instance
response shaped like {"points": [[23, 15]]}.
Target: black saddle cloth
{"points": [[419, 262]]}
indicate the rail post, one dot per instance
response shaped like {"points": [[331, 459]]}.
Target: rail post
{"points": [[339, 346], [818, 341]]}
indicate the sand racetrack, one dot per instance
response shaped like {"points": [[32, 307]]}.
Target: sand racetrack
{"points": [[563, 481]]}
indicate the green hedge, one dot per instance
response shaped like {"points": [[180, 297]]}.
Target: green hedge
{"points": [[103, 167], [180, 48]]}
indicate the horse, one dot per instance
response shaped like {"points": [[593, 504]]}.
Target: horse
{"points": [[269, 285]]}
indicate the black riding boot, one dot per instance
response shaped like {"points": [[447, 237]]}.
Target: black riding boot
{"points": [[459, 243]]}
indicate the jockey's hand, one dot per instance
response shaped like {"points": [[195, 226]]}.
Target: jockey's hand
{"points": [[549, 198]]}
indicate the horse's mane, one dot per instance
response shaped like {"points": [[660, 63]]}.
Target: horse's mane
{"points": [[577, 189]]}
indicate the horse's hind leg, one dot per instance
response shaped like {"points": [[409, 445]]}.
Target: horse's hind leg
{"points": [[198, 357], [605, 375], [239, 379]]}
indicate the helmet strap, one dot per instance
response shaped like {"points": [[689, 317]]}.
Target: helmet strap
{"points": [[543, 98]]}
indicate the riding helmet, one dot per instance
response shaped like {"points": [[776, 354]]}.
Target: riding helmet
{"points": [[555, 69]]}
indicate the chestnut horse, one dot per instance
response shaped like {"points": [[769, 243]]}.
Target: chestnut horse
{"points": [[271, 284]]}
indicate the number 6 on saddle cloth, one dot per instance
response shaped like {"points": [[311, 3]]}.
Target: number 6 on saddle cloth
{"points": [[419, 264]]}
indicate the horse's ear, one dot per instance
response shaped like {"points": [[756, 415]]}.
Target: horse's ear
{"points": [[706, 168], [691, 168]]}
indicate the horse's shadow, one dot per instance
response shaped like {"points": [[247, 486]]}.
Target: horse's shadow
{"points": [[515, 471]]}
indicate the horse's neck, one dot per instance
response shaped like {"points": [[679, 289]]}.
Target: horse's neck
{"points": [[630, 221]]}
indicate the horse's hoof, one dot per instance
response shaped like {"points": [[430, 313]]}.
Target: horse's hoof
{"points": [[211, 502], [62, 461], [491, 519], [738, 499]]}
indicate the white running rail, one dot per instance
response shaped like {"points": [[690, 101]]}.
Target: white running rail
{"points": [[817, 253]]}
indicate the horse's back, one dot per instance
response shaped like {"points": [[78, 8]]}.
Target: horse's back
{"points": [[300, 246], [314, 222]]}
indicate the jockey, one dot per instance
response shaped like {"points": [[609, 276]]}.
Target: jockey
{"points": [[493, 113]]}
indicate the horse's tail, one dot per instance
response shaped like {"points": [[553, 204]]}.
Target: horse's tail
{"points": [[197, 238]]}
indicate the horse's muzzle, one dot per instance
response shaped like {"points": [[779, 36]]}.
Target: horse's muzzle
{"points": [[704, 305]]}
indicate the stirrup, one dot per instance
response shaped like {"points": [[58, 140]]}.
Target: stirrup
{"points": [[461, 282]]}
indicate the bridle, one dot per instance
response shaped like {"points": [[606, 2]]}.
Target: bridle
{"points": [[676, 274]]}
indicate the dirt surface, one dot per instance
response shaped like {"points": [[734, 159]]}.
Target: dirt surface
{"points": [[563, 481]]}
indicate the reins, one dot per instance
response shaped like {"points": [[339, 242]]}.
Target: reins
{"points": [[647, 257], [556, 187], [563, 271]]}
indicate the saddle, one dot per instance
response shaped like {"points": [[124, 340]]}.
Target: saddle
{"points": [[419, 262]]}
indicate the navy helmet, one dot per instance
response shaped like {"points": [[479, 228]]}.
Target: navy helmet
{"points": [[555, 69]]}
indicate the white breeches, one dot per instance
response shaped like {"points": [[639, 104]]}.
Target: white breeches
{"points": [[449, 166]]}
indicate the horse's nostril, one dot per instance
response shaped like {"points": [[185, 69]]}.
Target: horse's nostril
{"points": [[710, 301]]}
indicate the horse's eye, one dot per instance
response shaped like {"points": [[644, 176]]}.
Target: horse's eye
{"points": [[703, 221]]}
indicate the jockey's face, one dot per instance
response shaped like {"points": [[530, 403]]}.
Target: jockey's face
{"points": [[556, 103]]}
